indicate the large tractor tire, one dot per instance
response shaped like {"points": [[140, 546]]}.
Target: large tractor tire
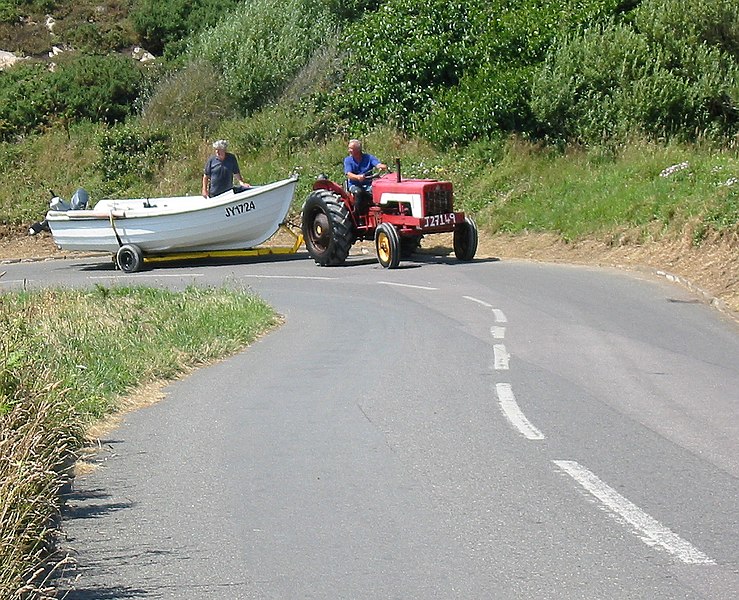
{"points": [[327, 227], [387, 245], [465, 239]]}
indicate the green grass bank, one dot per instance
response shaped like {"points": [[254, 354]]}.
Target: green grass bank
{"points": [[68, 359]]}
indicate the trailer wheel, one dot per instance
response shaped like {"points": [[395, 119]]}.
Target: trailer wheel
{"points": [[129, 258], [387, 244], [327, 228], [465, 239]]}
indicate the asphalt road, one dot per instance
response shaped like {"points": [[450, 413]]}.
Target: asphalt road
{"points": [[485, 430]]}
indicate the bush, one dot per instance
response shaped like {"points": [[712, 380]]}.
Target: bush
{"points": [[25, 99], [130, 155], [193, 99], [483, 105], [260, 48], [676, 24], [413, 63], [612, 81], [400, 56], [163, 23], [98, 88]]}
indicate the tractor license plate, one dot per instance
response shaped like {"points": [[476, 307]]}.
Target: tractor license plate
{"points": [[438, 220]]}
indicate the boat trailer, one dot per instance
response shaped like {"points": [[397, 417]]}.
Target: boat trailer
{"points": [[130, 259]]}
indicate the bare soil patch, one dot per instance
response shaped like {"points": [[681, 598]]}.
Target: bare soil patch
{"points": [[711, 270]]}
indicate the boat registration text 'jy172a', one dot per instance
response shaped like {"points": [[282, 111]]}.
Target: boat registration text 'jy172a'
{"points": [[239, 209]]}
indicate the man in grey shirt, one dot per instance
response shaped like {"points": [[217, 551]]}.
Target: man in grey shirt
{"points": [[220, 171]]}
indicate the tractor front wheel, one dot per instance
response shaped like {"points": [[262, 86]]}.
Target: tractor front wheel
{"points": [[465, 239], [327, 228], [387, 245]]}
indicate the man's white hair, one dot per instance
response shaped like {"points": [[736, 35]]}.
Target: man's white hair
{"points": [[220, 144], [356, 143]]}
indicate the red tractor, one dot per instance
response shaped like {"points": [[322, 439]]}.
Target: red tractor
{"points": [[397, 215]]}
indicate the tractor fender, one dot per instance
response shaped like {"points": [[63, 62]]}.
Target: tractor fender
{"points": [[334, 188]]}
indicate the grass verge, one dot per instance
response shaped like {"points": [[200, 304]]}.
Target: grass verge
{"points": [[67, 359]]}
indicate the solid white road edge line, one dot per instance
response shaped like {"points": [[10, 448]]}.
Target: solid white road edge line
{"points": [[513, 413], [652, 531], [408, 285], [142, 275], [500, 357], [314, 277]]}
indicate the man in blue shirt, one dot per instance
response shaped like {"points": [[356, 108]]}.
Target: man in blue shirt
{"points": [[358, 168], [220, 171]]}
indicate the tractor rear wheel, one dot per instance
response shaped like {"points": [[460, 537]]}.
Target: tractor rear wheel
{"points": [[465, 239], [387, 244], [327, 228]]}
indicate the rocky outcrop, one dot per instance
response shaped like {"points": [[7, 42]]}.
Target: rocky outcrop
{"points": [[8, 59]]}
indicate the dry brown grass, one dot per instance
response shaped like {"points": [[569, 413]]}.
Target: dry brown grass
{"points": [[36, 455]]}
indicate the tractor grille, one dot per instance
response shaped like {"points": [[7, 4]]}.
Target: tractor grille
{"points": [[439, 201]]}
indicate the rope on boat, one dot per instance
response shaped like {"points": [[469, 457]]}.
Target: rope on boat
{"points": [[115, 231]]}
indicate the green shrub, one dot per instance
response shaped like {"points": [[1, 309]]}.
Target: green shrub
{"points": [[261, 47], [193, 99], [130, 155], [483, 105], [8, 11], [675, 24], [400, 56], [25, 99], [164, 23], [412, 63], [96, 88], [612, 81], [99, 88]]}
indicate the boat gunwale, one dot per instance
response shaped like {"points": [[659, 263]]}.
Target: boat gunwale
{"points": [[92, 214]]}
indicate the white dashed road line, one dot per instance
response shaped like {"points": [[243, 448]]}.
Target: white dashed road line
{"points": [[513, 413], [497, 332], [482, 302], [500, 357], [652, 531], [499, 316]]}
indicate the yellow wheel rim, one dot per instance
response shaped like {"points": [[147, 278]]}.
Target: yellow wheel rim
{"points": [[383, 247]]}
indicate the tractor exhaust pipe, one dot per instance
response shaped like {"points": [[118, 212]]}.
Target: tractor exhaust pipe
{"points": [[397, 168]]}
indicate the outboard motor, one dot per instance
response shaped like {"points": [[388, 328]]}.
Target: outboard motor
{"points": [[58, 203], [79, 202], [80, 199]]}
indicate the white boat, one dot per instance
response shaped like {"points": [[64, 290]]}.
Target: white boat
{"points": [[156, 226]]}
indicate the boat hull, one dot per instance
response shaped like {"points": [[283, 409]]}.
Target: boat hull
{"points": [[177, 224]]}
